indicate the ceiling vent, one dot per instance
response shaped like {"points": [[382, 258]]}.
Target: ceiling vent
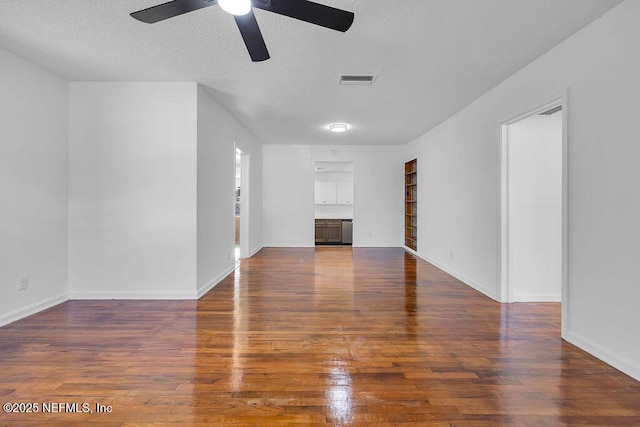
{"points": [[357, 80], [551, 111]]}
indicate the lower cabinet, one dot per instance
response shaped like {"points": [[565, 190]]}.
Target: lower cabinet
{"points": [[334, 232], [328, 231], [321, 232]]}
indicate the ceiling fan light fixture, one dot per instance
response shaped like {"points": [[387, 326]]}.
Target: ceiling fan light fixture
{"points": [[302, 10], [338, 127], [236, 7]]}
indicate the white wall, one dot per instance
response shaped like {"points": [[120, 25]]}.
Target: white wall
{"points": [[535, 209], [459, 182], [218, 133], [289, 193], [334, 211], [132, 190], [33, 187], [288, 196]]}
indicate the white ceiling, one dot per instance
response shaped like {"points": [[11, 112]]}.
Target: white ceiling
{"points": [[432, 57]]}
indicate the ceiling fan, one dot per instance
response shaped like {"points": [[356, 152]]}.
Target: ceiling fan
{"points": [[242, 11]]}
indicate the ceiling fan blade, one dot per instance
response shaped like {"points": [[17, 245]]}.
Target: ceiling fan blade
{"points": [[252, 36], [170, 9], [314, 13]]}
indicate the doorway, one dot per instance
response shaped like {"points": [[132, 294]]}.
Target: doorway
{"points": [[333, 182], [241, 204], [534, 206]]}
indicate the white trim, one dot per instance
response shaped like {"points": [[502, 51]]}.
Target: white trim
{"points": [[503, 272], [128, 295], [505, 297], [537, 297], [620, 363], [289, 245], [245, 201], [32, 309], [373, 245], [411, 251], [565, 297], [486, 291], [255, 251], [215, 281]]}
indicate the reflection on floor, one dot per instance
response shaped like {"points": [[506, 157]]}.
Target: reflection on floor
{"points": [[313, 336]]}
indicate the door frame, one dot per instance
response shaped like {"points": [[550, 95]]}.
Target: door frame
{"points": [[505, 292], [245, 208]]}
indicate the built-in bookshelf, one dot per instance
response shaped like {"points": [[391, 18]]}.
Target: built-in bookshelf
{"points": [[411, 204]]}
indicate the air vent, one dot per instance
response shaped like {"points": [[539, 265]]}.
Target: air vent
{"points": [[551, 111], [357, 80]]}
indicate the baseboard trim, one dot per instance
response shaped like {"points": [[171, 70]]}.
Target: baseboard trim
{"points": [[215, 281], [620, 363], [125, 295], [377, 245], [411, 251], [32, 309], [291, 245], [491, 294], [256, 250], [537, 298]]}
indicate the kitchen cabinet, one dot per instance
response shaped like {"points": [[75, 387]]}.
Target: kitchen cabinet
{"points": [[345, 193], [328, 231], [334, 231], [326, 193], [321, 232], [332, 193]]}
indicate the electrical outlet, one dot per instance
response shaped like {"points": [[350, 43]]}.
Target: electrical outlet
{"points": [[451, 254], [228, 255], [23, 283], [370, 234]]}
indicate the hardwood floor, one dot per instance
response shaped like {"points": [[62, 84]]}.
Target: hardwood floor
{"points": [[333, 335]]}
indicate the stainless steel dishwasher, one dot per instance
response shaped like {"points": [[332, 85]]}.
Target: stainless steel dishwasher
{"points": [[347, 231]]}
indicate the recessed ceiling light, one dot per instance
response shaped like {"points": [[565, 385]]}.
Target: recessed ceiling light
{"points": [[338, 127]]}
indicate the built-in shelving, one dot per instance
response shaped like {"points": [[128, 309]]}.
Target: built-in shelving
{"points": [[411, 204]]}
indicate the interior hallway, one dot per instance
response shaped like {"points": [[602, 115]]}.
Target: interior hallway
{"points": [[311, 336]]}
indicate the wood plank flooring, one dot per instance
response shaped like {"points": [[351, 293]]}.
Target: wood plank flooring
{"points": [[328, 336]]}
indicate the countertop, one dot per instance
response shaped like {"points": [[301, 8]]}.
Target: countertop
{"points": [[333, 217]]}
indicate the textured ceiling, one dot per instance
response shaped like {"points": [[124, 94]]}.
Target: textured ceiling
{"points": [[432, 57]]}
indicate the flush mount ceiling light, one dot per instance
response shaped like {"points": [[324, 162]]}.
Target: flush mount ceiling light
{"points": [[236, 7], [338, 127]]}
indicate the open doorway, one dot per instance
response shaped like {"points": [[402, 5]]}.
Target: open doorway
{"points": [[333, 203], [534, 204], [241, 204]]}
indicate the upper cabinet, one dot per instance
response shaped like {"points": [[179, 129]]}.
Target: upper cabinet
{"points": [[344, 193], [334, 193], [333, 183], [326, 193]]}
